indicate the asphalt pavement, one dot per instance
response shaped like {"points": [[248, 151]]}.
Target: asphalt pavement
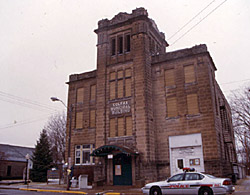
{"points": [[18, 187]]}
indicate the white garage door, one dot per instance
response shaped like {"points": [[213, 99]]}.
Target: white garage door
{"points": [[186, 151]]}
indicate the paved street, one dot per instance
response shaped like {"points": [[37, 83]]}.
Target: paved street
{"points": [[21, 192], [243, 188]]}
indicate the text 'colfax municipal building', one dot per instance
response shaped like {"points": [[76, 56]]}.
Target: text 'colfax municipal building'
{"points": [[145, 113]]}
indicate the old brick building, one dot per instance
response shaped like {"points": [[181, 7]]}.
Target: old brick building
{"points": [[145, 113]]}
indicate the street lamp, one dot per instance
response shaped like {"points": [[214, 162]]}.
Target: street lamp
{"points": [[69, 110]]}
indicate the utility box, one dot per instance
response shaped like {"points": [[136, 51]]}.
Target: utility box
{"points": [[83, 181], [73, 182]]}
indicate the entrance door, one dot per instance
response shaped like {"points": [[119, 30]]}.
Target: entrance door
{"points": [[122, 170]]}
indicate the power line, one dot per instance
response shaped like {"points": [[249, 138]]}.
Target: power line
{"points": [[24, 122], [24, 102], [190, 20], [198, 22], [235, 82]]}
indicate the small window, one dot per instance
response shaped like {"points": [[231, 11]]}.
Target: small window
{"points": [[193, 176], [82, 154], [178, 177], [113, 47], [180, 163], [120, 45], [78, 154], [127, 40]]}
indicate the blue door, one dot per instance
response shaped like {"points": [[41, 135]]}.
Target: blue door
{"points": [[122, 170]]}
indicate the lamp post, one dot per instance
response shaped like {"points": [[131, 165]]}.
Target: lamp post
{"points": [[27, 157], [69, 110]]}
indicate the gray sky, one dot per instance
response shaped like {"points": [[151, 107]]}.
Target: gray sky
{"points": [[42, 42]]}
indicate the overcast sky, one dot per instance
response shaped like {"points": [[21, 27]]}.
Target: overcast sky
{"points": [[42, 42]]}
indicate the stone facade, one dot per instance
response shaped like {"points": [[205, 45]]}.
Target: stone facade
{"points": [[138, 97]]}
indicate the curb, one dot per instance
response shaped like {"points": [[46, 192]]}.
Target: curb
{"points": [[58, 191]]}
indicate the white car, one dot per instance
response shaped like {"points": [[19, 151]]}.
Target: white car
{"points": [[190, 183]]}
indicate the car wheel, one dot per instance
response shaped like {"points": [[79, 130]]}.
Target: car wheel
{"points": [[206, 191], [155, 191]]}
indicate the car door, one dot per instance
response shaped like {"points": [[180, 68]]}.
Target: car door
{"points": [[193, 182], [173, 185]]}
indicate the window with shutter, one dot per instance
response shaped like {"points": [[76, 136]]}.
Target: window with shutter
{"points": [[192, 104], [169, 77], [189, 74], [172, 107], [79, 120], [112, 128]]}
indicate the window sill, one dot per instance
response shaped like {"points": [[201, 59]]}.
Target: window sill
{"points": [[89, 164], [189, 116], [190, 84], [172, 118]]}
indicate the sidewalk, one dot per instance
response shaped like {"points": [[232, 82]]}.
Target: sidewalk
{"points": [[243, 185], [51, 187]]}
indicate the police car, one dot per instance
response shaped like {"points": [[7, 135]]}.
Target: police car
{"points": [[190, 182]]}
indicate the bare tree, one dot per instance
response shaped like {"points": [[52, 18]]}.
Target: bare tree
{"points": [[240, 105], [56, 129]]}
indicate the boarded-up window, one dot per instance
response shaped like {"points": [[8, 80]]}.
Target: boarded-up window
{"points": [[79, 120], [79, 95], [189, 74], [121, 126], [128, 87], [120, 89], [169, 77], [112, 76], [112, 129], [112, 90], [92, 92], [128, 72], [192, 104], [172, 107], [92, 118], [129, 126], [120, 74]]}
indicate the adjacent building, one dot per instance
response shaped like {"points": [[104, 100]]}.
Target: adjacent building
{"points": [[145, 113], [13, 161]]}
